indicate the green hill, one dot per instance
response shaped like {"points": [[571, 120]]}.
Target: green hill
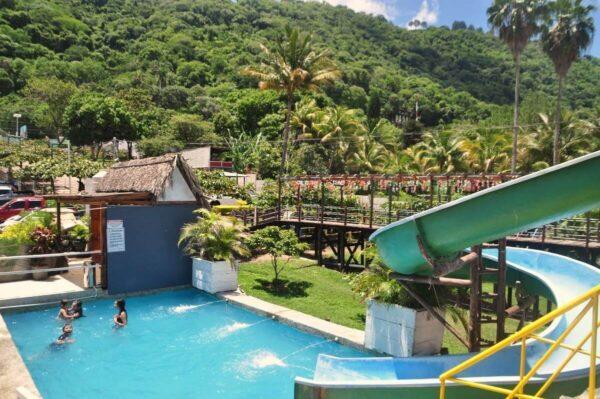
{"points": [[168, 57]]}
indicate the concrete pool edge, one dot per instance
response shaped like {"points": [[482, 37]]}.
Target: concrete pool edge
{"points": [[15, 379], [344, 335]]}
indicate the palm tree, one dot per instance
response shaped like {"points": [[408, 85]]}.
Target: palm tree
{"points": [[340, 127], [486, 152], [516, 22], [570, 35], [293, 64], [380, 142], [304, 117], [577, 140], [441, 149]]}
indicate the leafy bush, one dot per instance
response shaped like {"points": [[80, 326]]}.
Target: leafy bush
{"points": [[215, 183], [21, 232], [277, 242], [229, 209], [79, 232]]}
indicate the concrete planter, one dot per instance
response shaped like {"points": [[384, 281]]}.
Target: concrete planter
{"points": [[214, 277], [402, 332]]}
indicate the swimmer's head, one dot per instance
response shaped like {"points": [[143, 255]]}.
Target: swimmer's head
{"points": [[63, 303], [67, 328]]}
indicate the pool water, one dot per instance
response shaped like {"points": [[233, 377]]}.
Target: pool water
{"points": [[178, 344]]}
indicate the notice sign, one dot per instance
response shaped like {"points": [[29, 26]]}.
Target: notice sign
{"points": [[115, 236]]}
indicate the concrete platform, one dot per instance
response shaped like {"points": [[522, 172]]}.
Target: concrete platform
{"points": [[28, 292], [344, 335]]}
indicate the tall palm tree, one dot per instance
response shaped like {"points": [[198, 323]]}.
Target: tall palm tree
{"points": [[516, 21], [293, 64], [564, 42]]}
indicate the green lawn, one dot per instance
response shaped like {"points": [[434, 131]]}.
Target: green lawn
{"points": [[311, 289], [325, 293]]}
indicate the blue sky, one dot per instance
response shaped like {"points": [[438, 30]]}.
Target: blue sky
{"points": [[440, 12]]}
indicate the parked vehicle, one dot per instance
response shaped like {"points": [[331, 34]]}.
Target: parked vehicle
{"points": [[18, 205], [6, 193]]}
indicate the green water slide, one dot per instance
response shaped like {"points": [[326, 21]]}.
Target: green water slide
{"points": [[531, 201]]}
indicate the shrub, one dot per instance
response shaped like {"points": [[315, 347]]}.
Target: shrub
{"points": [[277, 242]]}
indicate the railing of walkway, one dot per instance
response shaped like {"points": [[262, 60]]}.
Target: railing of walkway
{"points": [[584, 230], [589, 303]]}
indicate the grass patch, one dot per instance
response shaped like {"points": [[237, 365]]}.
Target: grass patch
{"points": [[308, 288], [324, 293]]}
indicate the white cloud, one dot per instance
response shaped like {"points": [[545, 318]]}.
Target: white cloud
{"points": [[375, 7], [428, 12]]}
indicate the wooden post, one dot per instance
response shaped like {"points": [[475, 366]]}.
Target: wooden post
{"points": [[58, 221], [500, 298], [298, 204], [431, 189], [341, 247], [543, 234], [371, 201], [475, 303], [279, 196], [390, 193], [319, 244], [344, 209], [322, 200], [97, 239], [587, 232]]}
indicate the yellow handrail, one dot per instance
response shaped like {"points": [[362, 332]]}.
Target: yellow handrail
{"points": [[591, 297]]}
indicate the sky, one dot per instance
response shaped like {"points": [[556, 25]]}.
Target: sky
{"points": [[441, 12]]}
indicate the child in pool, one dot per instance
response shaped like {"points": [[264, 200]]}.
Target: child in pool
{"points": [[65, 337], [76, 309], [120, 318], [63, 313]]}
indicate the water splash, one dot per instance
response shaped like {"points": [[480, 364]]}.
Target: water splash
{"points": [[186, 308], [229, 329], [266, 359]]}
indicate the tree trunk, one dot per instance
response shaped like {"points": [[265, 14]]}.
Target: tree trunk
{"points": [[286, 134], [513, 163], [557, 120]]}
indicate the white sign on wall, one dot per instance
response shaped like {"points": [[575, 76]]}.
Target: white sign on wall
{"points": [[115, 236]]}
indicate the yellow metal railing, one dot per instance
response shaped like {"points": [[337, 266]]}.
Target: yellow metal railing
{"points": [[590, 303]]}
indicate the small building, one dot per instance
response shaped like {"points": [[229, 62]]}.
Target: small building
{"points": [[137, 212], [206, 158]]}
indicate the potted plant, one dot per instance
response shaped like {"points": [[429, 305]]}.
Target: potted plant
{"points": [[396, 324], [215, 243]]}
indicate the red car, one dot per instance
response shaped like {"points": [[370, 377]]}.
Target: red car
{"points": [[18, 205]]}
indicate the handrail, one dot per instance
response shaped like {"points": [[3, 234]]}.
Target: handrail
{"points": [[591, 297]]}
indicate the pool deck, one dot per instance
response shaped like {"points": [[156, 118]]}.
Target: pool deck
{"points": [[13, 372], [344, 335], [27, 292]]}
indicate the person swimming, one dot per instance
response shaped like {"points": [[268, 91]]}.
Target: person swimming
{"points": [[76, 309], [63, 313], [120, 318], [65, 337]]}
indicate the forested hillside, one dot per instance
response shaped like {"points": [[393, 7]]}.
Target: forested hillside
{"points": [[169, 71]]}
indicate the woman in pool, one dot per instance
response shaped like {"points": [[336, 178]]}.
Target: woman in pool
{"points": [[120, 318], [76, 309], [65, 337], [63, 313]]}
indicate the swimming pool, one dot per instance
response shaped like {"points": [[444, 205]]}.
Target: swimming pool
{"points": [[178, 344]]}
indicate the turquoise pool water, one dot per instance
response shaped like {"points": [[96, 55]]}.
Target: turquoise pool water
{"points": [[178, 344]]}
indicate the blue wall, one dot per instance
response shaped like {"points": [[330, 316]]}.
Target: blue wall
{"points": [[152, 258]]}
